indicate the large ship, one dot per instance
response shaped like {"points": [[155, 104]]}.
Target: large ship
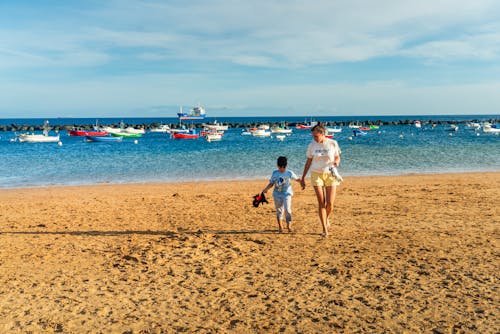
{"points": [[196, 113]]}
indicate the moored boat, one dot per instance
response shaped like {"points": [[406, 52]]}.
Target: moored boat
{"points": [[216, 126], [126, 134], [192, 134], [214, 136], [281, 129], [163, 128], [335, 129], [491, 129], [38, 138], [83, 133], [358, 133], [105, 139]]}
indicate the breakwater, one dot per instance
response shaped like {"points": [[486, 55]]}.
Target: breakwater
{"points": [[16, 127]]}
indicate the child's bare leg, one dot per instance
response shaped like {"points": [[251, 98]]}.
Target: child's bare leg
{"points": [[280, 226]]}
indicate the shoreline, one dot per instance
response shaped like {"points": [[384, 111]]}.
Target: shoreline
{"points": [[232, 180], [413, 253]]}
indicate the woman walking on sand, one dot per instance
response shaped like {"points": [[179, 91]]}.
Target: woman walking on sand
{"points": [[323, 157]]}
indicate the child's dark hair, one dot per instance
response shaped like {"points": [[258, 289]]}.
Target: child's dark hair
{"points": [[282, 162]]}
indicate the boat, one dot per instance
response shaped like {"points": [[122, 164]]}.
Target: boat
{"points": [[192, 134], [126, 134], [214, 136], [452, 127], [374, 127], [417, 124], [488, 128], [216, 126], [473, 125], [133, 130], [335, 129], [83, 133], [261, 133], [306, 125], [354, 125], [197, 112], [105, 139], [111, 130], [358, 133], [281, 129], [38, 138], [162, 128], [364, 128]]}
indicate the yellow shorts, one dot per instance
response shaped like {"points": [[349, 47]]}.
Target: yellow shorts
{"points": [[323, 180]]}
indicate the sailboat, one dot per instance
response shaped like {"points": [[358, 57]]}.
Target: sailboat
{"points": [[38, 138]]}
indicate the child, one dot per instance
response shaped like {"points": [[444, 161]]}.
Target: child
{"points": [[282, 194]]}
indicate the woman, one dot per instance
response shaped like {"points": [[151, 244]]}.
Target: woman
{"points": [[322, 154]]}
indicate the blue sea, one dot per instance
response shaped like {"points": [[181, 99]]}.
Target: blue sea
{"points": [[390, 150]]}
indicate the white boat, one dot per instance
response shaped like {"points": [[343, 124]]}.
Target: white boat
{"points": [[354, 125], [261, 133], [488, 128], [246, 132], [335, 129], [38, 138], [216, 126], [110, 129], [473, 125], [214, 136], [163, 128], [181, 129], [281, 129], [453, 127], [133, 130]]}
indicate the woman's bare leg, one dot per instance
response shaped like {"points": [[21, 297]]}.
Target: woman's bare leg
{"points": [[329, 200], [320, 196]]}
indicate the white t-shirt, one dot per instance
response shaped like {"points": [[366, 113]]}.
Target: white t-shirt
{"points": [[322, 154]]}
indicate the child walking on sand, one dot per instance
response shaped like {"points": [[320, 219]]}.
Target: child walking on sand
{"points": [[283, 192]]}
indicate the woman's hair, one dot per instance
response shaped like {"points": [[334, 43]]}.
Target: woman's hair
{"points": [[318, 128], [282, 162]]}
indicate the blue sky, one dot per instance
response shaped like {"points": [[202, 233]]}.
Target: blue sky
{"points": [[248, 58]]}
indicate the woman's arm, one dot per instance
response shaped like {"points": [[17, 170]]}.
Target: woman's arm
{"points": [[304, 173]]}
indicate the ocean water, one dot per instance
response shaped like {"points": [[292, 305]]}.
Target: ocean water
{"points": [[391, 150]]}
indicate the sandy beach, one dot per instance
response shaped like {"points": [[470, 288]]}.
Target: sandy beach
{"points": [[406, 254]]}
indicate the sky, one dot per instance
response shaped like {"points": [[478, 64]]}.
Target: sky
{"points": [[147, 58]]}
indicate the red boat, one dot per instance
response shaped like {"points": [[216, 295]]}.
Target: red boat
{"points": [[183, 135], [364, 128], [82, 133]]}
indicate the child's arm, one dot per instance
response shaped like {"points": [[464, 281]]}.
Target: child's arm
{"points": [[269, 186]]}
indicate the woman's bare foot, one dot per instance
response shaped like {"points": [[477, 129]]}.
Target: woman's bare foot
{"points": [[289, 227]]}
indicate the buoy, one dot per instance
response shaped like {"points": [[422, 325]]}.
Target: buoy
{"points": [[451, 135], [401, 136], [59, 143], [136, 141], [350, 138]]}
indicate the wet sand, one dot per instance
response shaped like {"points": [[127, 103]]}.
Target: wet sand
{"points": [[415, 253]]}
